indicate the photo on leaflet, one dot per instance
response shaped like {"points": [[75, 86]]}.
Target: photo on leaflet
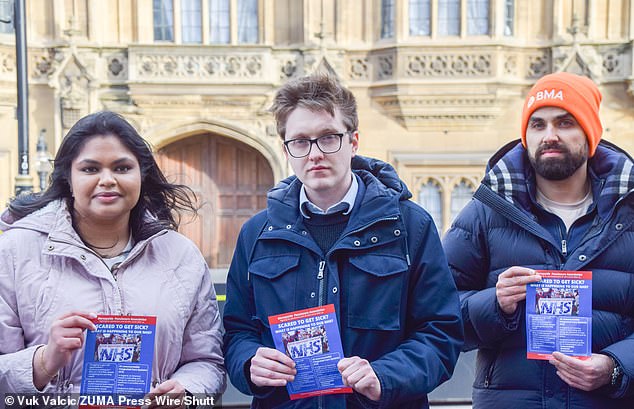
{"points": [[117, 348], [556, 301], [305, 342]]}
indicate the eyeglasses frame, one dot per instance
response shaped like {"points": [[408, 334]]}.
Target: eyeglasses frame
{"points": [[314, 142]]}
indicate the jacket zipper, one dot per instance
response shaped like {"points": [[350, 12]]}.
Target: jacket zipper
{"points": [[487, 378], [320, 278], [564, 243], [322, 286]]}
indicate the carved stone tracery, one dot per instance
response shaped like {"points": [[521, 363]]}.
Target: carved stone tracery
{"points": [[449, 65], [199, 66]]}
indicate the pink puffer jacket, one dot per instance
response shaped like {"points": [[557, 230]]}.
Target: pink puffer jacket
{"points": [[46, 271]]}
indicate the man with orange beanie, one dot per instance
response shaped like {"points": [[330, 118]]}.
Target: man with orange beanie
{"points": [[558, 199]]}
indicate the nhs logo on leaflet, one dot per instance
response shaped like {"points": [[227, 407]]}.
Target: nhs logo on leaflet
{"points": [[305, 348], [556, 306], [545, 94], [116, 353]]}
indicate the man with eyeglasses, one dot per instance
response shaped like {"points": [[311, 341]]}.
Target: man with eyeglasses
{"points": [[340, 231]]}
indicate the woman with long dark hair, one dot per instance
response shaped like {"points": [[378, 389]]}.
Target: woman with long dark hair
{"points": [[101, 240]]}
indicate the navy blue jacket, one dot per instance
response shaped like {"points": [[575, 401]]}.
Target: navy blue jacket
{"points": [[500, 229], [387, 276]]}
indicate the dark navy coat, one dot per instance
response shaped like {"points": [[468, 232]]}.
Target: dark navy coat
{"points": [[387, 276], [500, 229]]}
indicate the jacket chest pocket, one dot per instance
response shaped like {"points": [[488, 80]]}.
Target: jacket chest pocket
{"points": [[275, 281], [374, 289]]}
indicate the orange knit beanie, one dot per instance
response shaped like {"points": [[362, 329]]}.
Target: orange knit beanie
{"points": [[576, 94]]}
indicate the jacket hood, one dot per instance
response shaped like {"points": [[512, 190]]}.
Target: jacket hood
{"points": [[380, 193], [510, 175], [41, 220], [383, 173]]}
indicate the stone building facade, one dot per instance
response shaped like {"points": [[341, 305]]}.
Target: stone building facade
{"points": [[440, 84]]}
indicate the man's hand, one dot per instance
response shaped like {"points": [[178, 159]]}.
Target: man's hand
{"points": [[359, 375], [586, 375], [270, 367], [173, 389], [511, 287]]}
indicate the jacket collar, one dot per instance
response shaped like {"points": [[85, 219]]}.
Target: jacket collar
{"points": [[510, 176], [380, 191]]}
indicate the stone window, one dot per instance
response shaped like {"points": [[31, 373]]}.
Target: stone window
{"points": [[387, 18], [478, 17], [191, 21], [163, 11], [419, 17], [460, 195], [509, 17], [207, 21], [6, 15], [448, 17], [247, 21], [219, 18], [452, 17], [430, 198]]}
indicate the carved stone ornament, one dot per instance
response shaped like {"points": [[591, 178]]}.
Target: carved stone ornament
{"points": [[386, 67], [45, 61], [578, 60], [74, 84], [538, 65], [199, 66], [446, 112], [117, 65], [449, 65], [7, 63], [359, 68]]}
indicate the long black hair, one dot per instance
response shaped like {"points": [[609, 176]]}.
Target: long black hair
{"points": [[162, 200]]}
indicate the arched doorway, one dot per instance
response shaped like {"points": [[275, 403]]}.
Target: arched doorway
{"points": [[230, 179]]}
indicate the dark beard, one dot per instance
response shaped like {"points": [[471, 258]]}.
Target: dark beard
{"points": [[554, 168]]}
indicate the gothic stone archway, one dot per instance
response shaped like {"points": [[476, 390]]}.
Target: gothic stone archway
{"points": [[231, 180]]}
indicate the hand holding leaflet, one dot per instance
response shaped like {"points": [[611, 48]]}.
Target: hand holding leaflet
{"points": [[358, 373], [270, 367]]}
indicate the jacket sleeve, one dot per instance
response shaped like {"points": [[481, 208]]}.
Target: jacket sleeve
{"points": [[242, 334], [201, 366], [621, 352], [465, 245], [433, 323], [16, 360]]}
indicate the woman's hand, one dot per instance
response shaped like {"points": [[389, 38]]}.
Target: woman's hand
{"points": [[65, 337]]}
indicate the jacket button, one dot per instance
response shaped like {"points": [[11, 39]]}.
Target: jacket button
{"points": [[334, 290], [83, 257], [583, 257], [50, 248], [357, 243], [374, 239], [312, 295], [304, 232], [288, 227], [619, 226], [270, 228], [397, 232]]}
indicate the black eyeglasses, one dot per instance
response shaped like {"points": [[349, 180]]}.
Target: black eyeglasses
{"points": [[299, 148]]}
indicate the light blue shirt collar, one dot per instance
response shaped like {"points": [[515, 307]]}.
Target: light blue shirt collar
{"points": [[346, 203]]}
